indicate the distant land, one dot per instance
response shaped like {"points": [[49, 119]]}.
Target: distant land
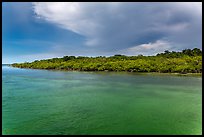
{"points": [[186, 61]]}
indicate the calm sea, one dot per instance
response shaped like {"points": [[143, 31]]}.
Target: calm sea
{"points": [[58, 102]]}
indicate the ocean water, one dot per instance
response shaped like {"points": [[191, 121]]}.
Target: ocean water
{"points": [[57, 102]]}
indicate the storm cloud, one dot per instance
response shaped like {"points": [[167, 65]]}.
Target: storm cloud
{"points": [[127, 27]]}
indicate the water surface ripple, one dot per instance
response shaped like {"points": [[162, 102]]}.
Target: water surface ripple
{"points": [[57, 102]]}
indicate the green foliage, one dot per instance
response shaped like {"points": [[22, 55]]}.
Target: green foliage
{"points": [[187, 61], [66, 58]]}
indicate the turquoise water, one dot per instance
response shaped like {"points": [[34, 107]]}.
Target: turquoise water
{"points": [[57, 102]]}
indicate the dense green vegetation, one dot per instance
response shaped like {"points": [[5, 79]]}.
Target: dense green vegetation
{"points": [[186, 61]]}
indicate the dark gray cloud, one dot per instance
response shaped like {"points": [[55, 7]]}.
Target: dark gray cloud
{"points": [[121, 27]]}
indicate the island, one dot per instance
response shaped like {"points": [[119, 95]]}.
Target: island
{"points": [[185, 61]]}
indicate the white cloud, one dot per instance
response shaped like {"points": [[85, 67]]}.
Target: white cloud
{"points": [[148, 49], [120, 26]]}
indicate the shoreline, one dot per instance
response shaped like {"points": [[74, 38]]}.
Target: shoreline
{"points": [[145, 73]]}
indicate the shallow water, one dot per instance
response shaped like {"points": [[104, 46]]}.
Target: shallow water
{"points": [[57, 102]]}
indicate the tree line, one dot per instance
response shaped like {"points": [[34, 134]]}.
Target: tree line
{"points": [[186, 61]]}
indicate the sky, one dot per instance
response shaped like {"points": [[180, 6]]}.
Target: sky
{"points": [[41, 30]]}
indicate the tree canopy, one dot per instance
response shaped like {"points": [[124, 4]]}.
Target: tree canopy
{"points": [[186, 61]]}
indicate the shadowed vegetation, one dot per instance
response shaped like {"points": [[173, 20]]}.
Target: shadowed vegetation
{"points": [[187, 61]]}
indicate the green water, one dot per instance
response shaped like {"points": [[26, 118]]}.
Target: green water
{"points": [[56, 102]]}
